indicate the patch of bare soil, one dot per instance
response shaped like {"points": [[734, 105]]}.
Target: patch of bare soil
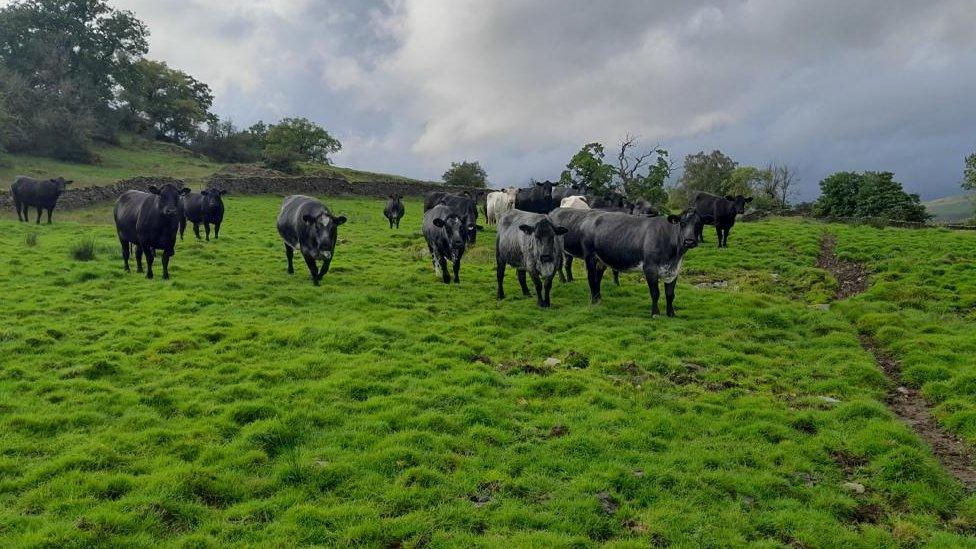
{"points": [[907, 403], [852, 277]]}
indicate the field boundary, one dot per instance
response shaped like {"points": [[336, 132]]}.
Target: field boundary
{"points": [[906, 403]]}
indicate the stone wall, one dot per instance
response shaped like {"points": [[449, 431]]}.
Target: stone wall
{"points": [[328, 186]]}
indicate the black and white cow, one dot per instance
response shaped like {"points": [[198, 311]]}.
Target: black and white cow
{"points": [[720, 212], [207, 208], [529, 242], [394, 210], [307, 225], [654, 245], [446, 233], [537, 198], [150, 222], [28, 192]]}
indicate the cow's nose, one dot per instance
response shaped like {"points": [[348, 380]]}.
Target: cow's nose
{"points": [[169, 211]]}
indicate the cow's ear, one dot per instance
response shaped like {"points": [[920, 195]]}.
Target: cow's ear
{"points": [[438, 222], [527, 229], [185, 191], [153, 189], [749, 199], [561, 230], [308, 219], [730, 198], [339, 220], [479, 228], [674, 219]]}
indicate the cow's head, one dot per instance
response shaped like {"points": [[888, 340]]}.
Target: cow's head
{"points": [[643, 208], [396, 197], [322, 232], [546, 187], [169, 198], [212, 197], [545, 235], [456, 230], [687, 224], [61, 184], [740, 202]]}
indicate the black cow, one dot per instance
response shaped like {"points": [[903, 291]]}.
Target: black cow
{"points": [[394, 210], [719, 211], [609, 202], [561, 192], [656, 245], [536, 199], [207, 208], [530, 243], [306, 225], [644, 208], [41, 194], [447, 238], [150, 222], [464, 205]]}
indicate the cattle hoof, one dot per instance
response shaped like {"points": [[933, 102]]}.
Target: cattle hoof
{"points": [[149, 276], [671, 314]]}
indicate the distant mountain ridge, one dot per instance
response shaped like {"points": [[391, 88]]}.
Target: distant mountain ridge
{"points": [[952, 208]]}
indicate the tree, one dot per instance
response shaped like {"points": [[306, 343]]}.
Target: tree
{"points": [[166, 103], [296, 140], [466, 174], [225, 143], [867, 194], [588, 170], [634, 181], [704, 172], [969, 173]]}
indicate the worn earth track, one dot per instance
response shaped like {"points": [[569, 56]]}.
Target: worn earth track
{"points": [[907, 403]]}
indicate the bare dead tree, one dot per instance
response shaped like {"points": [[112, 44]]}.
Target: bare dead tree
{"points": [[628, 165], [780, 183]]}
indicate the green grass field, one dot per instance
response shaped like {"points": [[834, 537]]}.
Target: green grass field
{"points": [[235, 404], [136, 156]]}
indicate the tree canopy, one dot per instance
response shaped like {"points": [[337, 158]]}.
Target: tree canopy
{"points": [[466, 174], [867, 194], [639, 173]]}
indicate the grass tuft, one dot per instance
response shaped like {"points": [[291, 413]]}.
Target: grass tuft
{"points": [[84, 249], [30, 239]]}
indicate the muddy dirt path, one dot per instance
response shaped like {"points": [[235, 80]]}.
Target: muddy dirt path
{"points": [[907, 403]]}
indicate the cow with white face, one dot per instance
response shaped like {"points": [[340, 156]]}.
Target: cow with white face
{"points": [[499, 203], [307, 225]]}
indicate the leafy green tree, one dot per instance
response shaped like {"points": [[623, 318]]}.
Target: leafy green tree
{"points": [[466, 174], [969, 173], [710, 173], [166, 103], [588, 170], [867, 194], [225, 143], [745, 180], [295, 140]]}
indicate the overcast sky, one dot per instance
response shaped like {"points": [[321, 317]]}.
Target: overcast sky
{"points": [[408, 86]]}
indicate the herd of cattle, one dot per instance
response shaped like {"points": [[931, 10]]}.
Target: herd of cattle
{"points": [[540, 230]]}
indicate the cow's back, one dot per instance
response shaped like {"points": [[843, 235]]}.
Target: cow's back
{"points": [[33, 192], [290, 219], [128, 209]]}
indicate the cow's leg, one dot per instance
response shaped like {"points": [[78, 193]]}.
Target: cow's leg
{"points": [[313, 270], [669, 295], [289, 255], [569, 267], [182, 226], [206, 229], [138, 258], [521, 279], [150, 256], [125, 254], [49, 211], [166, 255], [196, 229], [39, 210], [594, 275], [216, 230], [616, 277], [457, 270], [655, 292], [547, 287], [718, 233], [445, 274], [539, 291], [559, 268], [325, 267], [500, 274], [700, 232]]}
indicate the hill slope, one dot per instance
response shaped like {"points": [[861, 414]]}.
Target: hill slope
{"points": [[951, 208], [136, 156]]}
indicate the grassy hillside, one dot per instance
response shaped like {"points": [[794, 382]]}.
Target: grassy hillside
{"points": [[952, 208], [235, 404], [140, 157]]}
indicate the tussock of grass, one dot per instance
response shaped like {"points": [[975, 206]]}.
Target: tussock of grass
{"points": [[30, 239], [237, 405], [84, 249]]}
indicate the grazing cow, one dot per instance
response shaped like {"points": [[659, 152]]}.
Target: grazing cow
{"points": [[530, 243], [720, 212], [307, 225], [41, 194], [150, 222], [446, 235], [644, 208], [655, 245], [499, 202], [574, 202], [206, 208], [394, 210], [537, 199]]}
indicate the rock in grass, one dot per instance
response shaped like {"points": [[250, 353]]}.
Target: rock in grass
{"points": [[855, 487], [830, 400], [551, 362]]}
